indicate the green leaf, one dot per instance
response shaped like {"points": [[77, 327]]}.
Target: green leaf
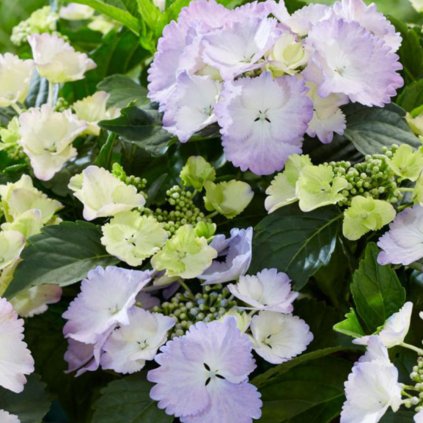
{"points": [[351, 326], [31, 405], [295, 242], [142, 128], [62, 254], [123, 91], [376, 290], [411, 50], [127, 400], [104, 157], [371, 129], [304, 388], [412, 96], [115, 9]]}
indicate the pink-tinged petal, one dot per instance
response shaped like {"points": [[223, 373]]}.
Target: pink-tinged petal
{"points": [[263, 121]]}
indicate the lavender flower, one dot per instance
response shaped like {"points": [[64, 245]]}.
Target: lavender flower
{"points": [[237, 252], [263, 121], [203, 375]]}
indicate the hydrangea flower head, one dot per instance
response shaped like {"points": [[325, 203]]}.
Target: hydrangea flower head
{"points": [[191, 106], [93, 109], [210, 366], [105, 298], [46, 136], [56, 60], [15, 359], [237, 253], [268, 290], [132, 237], [130, 346], [372, 387], [185, 254], [103, 194], [15, 78], [263, 121], [402, 244], [21, 196], [279, 337], [282, 190], [353, 62]]}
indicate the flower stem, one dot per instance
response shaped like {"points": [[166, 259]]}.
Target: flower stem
{"points": [[51, 89], [16, 108], [186, 287], [419, 351]]}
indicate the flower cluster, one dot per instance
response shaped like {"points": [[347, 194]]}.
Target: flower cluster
{"points": [[268, 78]]}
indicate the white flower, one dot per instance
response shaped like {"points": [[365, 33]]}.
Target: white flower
{"points": [[35, 300], [417, 4], [161, 4], [268, 290], [15, 359], [11, 246], [28, 223], [190, 108], [102, 194], [418, 418], [5, 417], [279, 337], [372, 387], [56, 60], [46, 136], [21, 196], [76, 12], [395, 328], [15, 78], [130, 346], [93, 109]]}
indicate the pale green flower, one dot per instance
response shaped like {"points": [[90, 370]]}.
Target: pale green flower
{"points": [[76, 12], [93, 109], [132, 237], [185, 254], [281, 191], [318, 186], [28, 223], [10, 135], [205, 229], [196, 172], [21, 196], [365, 215], [228, 198], [406, 162], [418, 191], [11, 245], [102, 194]]}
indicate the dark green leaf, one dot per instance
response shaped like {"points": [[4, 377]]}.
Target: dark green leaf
{"points": [[62, 254], [295, 242], [128, 401], [115, 9], [104, 158], [412, 96], [376, 289], [351, 326], [31, 405], [312, 385], [123, 91], [401, 416], [142, 128], [371, 129]]}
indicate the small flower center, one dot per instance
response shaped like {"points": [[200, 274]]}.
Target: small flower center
{"points": [[262, 116]]}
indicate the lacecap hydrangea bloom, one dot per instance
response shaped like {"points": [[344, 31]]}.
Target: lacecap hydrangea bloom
{"points": [[203, 376], [235, 67]]}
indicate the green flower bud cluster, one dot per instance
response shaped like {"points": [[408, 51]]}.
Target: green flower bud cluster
{"points": [[184, 210], [371, 178], [61, 105], [42, 20], [139, 183], [212, 303], [417, 377]]}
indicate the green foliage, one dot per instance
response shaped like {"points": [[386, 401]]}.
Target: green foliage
{"points": [[127, 400], [351, 326], [141, 127], [411, 96], [62, 254], [376, 290], [31, 405], [295, 242], [371, 129]]}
